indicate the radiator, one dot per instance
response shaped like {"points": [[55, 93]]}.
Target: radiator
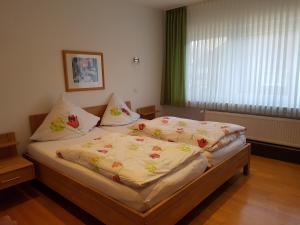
{"points": [[261, 128]]}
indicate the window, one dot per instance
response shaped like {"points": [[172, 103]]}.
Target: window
{"points": [[244, 56]]}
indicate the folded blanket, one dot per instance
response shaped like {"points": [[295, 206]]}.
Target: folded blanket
{"points": [[208, 135], [133, 161]]}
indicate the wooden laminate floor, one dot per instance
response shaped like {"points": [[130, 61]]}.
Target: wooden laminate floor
{"points": [[270, 195]]}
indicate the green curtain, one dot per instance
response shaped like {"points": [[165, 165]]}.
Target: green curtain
{"points": [[173, 81]]}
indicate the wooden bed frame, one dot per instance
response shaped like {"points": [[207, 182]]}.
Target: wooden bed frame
{"points": [[113, 212]]}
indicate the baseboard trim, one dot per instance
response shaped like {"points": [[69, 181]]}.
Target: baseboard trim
{"points": [[280, 152]]}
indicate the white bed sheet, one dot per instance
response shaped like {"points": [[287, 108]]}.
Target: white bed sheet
{"points": [[214, 158], [139, 199]]}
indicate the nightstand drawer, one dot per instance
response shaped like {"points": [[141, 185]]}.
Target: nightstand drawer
{"points": [[17, 176]]}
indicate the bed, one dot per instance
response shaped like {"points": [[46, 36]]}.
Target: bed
{"points": [[139, 199], [161, 209]]}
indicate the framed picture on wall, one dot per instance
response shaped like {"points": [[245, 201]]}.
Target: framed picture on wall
{"points": [[84, 71]]}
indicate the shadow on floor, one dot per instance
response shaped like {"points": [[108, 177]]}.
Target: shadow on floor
{"points": [[214, 201]]}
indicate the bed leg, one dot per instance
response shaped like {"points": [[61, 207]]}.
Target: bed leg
{"points": [[246, 170]]}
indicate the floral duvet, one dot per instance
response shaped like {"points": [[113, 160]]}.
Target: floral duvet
{"points": [[133, 161], [208, 135]]}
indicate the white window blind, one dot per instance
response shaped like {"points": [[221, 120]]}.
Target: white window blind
{"points": [[244, 56]]}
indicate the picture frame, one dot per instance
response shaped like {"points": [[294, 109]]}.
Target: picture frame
{"points": [[83, 71]]}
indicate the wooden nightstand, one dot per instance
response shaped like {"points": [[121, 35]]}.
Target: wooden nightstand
{"points": [[14, 169], [147, 112]]}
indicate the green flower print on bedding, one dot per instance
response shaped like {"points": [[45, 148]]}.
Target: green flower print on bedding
{"points": [[157, 133], [150, 167], [96, 159], [87, 145], [133, 147], [94, 162], [185, 148], [135, 133], [57, 125], [115, 112]]}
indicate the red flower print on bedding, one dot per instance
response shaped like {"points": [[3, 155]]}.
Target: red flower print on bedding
{"points": [[108, 146], [139, 139], [102, 151], [142, 126], [116, 164], [125, 111], [73, 121], [116, 178], [165, 121], [155, 156], [156, 148], [202, 142], [59, 155], [179, 130]]}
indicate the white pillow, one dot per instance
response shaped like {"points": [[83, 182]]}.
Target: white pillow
{"points": [[117, 113], [65, 121]]}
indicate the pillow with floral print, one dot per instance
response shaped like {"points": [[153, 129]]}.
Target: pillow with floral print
{"points": [[65, 121], [117, 113]]}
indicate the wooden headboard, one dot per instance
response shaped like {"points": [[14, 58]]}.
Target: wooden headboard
{"points": [[36, 120]]}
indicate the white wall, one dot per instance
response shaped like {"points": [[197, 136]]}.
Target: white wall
{"points": [[184, 112], [33, 33]]}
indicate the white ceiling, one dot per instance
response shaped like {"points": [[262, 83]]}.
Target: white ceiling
{"points": [[166, 4]]}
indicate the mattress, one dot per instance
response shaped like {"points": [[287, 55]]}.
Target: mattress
{"points": [[138, 199], [214, 158]]}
